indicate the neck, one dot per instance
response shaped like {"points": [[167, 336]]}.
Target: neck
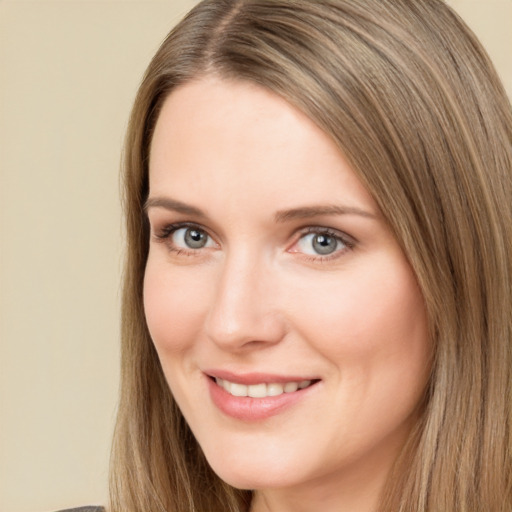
{"points": [[343, 493], [358, 486]]}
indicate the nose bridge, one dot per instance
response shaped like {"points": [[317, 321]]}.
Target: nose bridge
{"points": [[243, 310]]}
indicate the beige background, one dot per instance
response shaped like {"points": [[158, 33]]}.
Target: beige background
{"points": [[68, 73]]}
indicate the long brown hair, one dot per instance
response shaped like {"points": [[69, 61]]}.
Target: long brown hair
{"points": [[414, 103]]}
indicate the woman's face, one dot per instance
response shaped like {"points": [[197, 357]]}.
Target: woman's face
{"points": [[271, 273]]}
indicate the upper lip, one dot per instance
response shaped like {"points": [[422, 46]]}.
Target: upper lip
{"points": [[256, 377]]}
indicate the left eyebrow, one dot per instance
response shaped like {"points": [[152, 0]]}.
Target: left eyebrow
{"points": [[172, 205], [306, 212]]}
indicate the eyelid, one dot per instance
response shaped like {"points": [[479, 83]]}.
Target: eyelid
{"points": [[342, 235], [168, 229]]}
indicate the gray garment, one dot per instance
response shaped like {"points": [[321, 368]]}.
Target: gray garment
{"points": [[84, 509]]}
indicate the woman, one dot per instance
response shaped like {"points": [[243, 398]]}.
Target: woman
{"points": [[318, 285]]}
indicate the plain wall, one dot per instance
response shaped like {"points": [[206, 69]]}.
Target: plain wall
{"points": [[69, 70]]}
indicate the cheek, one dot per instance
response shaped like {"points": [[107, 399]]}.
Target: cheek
{"points": [[367, 317], [373, 331], [173, 307]]}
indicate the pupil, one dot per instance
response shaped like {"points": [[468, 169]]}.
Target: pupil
{"points": [[195, 239], [324, 244]]}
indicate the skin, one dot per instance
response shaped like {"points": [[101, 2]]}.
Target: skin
{"points": [[259, 298]]}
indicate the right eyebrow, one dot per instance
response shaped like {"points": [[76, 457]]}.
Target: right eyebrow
{"points": [[306, 212], [172, 205]]}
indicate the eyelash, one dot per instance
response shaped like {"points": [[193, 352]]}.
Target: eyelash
{"points": [[167, 231]]}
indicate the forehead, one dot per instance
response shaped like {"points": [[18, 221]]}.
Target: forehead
{"points": [[239, 139]]}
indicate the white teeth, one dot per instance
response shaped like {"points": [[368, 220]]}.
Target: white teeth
{"points": [[257, 390], [261, 390], [290, 387], [238, 389], [275, 389]]}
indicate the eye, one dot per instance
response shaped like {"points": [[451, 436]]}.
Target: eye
{"points": [[184, 238], [190, 238], [322, 242]]}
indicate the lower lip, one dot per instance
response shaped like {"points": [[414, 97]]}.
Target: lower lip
{"points": [[253, 409]]}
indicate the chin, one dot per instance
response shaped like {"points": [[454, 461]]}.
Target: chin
{"points": [[252, 480], [256, 472]]}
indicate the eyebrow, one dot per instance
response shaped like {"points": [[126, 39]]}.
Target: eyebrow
{"points": [[173, 205], [281, 216], [306, 212]]}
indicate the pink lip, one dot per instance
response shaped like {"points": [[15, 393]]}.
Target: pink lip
{"points": [[254, 409], [256, 377]]}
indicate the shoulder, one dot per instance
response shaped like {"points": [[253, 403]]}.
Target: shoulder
{"points": [[83, 509]]}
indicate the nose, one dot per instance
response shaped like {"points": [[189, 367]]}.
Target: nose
{"points": [[244, 313]]}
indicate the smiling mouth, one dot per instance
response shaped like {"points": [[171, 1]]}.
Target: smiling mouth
{"points": [[262, 390]]}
